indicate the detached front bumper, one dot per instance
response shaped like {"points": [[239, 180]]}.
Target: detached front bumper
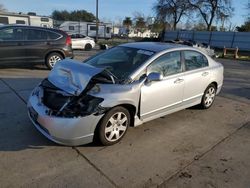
{"points": [[65, 131]]}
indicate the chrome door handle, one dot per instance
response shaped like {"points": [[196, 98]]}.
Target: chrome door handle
{"points": [[205, 73], [178, 80]]}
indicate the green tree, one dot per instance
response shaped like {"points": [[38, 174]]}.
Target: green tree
{"points": [[157, 26], [140, 24], [76, 15], [210, 9], [127, 22], [172, 10], [245, 27]]}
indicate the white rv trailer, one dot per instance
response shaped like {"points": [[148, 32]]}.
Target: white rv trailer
{"points": [[87, 28], [25, 19]]}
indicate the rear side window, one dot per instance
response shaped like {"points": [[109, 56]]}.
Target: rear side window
{"points": [[81, 36], [194, 60], [53, 35], [35, 34]]}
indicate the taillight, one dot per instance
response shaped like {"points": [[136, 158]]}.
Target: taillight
{"points": [[68, 40]]}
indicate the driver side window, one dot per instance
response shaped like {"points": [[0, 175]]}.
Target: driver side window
{"points": [[167, 64]]}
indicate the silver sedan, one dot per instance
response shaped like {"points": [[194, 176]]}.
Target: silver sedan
{"points": [[124, 86]]}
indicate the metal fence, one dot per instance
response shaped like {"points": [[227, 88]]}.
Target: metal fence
{"points": [[214, 38]]}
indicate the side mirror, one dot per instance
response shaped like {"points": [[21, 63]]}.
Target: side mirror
{"points": [[154, 76]]}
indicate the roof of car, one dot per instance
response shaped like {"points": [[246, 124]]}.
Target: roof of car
{"points": [[152, 46], [31, 27]]}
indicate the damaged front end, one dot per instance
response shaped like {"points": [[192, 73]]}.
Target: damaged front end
{"points": [[62, 106], [65, 92]]}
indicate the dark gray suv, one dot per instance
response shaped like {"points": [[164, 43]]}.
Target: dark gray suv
{"points": [[35, 44]]}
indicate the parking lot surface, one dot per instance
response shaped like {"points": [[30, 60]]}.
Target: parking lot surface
{"points": [[190, 148]]}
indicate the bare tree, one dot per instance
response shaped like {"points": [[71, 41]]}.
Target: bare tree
{"points": [[248, 8], [230, 27], [210, 9], [223, 18], [171, 9]]}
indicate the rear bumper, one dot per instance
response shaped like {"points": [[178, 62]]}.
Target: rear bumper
{"points": [[218, 89], [69, 54]]}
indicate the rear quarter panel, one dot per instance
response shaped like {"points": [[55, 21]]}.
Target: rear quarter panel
{"points": [[217, 73]]}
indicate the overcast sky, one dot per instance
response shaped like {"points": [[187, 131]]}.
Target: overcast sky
{"points": [[112, 10]]}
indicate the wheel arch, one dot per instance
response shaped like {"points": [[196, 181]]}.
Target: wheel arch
{"points": [[53, 51], [214, 83], [132, 111]]}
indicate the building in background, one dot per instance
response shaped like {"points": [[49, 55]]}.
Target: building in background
{"points": [[87, 28], [25, 19]]}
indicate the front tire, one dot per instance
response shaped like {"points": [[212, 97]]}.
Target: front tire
{"points": [[52, 59], [208, 97], [113, 126]]}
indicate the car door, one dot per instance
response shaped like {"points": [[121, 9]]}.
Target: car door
{"points": [[12, 44], [197, 76], [159, 97], [37, 43]]}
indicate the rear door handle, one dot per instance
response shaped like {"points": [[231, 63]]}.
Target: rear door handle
{"points": [[178, 80], [205, 73]]}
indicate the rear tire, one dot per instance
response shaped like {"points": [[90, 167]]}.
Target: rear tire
{"points": [[113, 126], [208, 97], [52, 59], [88, 47]]}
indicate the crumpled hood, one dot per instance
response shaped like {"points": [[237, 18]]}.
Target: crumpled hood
{"points": [[72, 76]]}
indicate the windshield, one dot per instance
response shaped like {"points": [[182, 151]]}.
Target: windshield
{"points": [[120, 61]]}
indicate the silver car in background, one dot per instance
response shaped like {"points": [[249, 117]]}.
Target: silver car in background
{"points": [[124, 86]]}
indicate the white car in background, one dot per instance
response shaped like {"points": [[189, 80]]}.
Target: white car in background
{"points": [[82, 42]]}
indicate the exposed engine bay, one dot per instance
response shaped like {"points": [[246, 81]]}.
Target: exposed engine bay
{"points": [[63, 104]]}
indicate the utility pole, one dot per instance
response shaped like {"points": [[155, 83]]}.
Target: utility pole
{"points": [[97, 22]]}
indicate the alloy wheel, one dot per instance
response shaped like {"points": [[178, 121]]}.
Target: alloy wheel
{"points": [[209, 96], [53, 60], [116, 126]]}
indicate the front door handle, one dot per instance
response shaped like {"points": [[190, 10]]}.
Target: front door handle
{"points": [[178, 80], [205, 73]]}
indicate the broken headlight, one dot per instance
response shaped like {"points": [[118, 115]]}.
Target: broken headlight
{"points": [[81, 107]]}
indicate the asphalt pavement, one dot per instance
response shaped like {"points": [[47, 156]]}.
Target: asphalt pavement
{"points": [[191, 148]]}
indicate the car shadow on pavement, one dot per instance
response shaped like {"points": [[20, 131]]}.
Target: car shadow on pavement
{"points": [[16, 130], [23, 65]]}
